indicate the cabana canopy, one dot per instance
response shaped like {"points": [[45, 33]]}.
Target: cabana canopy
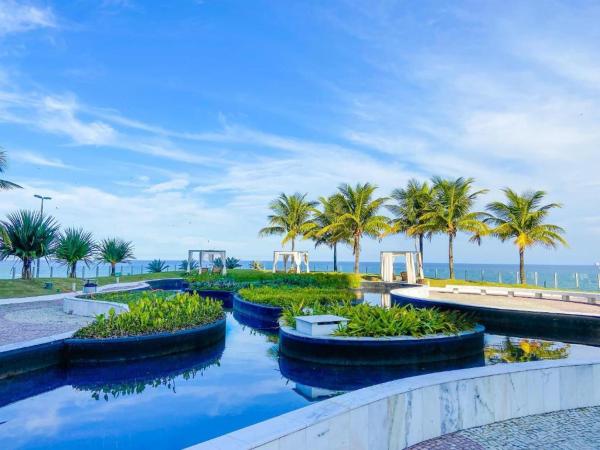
{"points": [[413, 265], [297, 259], [207, 255]]}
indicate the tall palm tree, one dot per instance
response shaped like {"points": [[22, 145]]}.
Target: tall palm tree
{"points": [[113, 251], [291, 217], [451, 212], [330, 211], [74, 245], [360, 216], [411, 204], [28, 235], [522, 218], [5, 184]]}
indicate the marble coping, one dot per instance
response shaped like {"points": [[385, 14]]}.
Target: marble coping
{"points": [[401, 413]]}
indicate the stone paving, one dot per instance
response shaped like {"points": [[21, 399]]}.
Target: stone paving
{"points": [[574, 429], [520, 303], [27, 321]]}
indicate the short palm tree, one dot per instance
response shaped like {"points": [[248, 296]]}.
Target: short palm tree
{"points": [[28, 235], [411, 204], [74, 245], [113, 251], [451, 212], [183, 265], [5, 184], [291, 217], [521, 218], [359, 216], [329, 212], [157, 266]]}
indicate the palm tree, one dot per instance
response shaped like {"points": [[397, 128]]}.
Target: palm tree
{"points": [[4, 184], [291, 217], [74, 245], [28, 235], [451, 212], [331, 210], [113, 251], [157, 266], [359, 216], [522, 218], [411, 205]]}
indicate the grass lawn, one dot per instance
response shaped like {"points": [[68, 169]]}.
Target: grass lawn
{"points": [[30, 288], [434, 282]]}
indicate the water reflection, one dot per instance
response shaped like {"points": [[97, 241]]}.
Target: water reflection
{"points": [[513, 350]]}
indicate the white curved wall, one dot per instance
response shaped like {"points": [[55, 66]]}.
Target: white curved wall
{"points": [[91, 308], [405, 412]]}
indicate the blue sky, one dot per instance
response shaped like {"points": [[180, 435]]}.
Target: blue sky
{"points": [[174, 123]]}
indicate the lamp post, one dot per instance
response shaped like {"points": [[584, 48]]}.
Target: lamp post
{"points": [[42, 198]]}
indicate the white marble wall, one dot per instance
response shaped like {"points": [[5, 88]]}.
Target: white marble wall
{"points": [[91, 308], [405, 412]]}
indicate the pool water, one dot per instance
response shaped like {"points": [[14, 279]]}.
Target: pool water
{"points": [[177, 401]]}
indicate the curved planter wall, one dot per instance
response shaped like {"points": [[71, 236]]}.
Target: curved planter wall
{"points": [[267, 314], [574, 328], [91, 308], [138, 347], [388, 351], [168, 284]]}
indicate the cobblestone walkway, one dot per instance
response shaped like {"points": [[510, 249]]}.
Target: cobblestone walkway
{"points": [[27, 321], [574, 429]]}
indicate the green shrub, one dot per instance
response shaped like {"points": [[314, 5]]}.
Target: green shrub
{"points": [[152, 314], [259, 277], [288, 296], [374, 321]]}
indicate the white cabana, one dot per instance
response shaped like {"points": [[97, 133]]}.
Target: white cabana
{"points": [[414, 266], [297, 259], [207, 256]]}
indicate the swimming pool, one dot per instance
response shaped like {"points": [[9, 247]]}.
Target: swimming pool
{"points": [[180, 400]]}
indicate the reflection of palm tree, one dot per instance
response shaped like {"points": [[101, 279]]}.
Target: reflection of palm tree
{"points": [[5, 184]]}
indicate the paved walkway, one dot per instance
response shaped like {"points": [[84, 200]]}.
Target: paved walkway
{"points": [[27, 321], [574, 429], [522, 303]]}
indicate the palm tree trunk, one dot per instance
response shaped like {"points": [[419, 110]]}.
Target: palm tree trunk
{"points": [[73, 273], [335, 257], [356, 253], [26, 270], [522, 266], [451, 255], [113, 267], [421, 245]]}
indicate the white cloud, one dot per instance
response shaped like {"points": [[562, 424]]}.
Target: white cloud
{"points": [[16, 17], [176, 184], [38, 160]]}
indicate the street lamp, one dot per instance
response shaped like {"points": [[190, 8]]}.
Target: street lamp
{"points": [[42, 198]]}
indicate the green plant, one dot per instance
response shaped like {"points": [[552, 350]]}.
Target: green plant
{"points": [[5, 184], [373, 321], [359, 216], [257, 265], [153, 314], [230, 263], [114, 251], [28, 235], [183, 265], [451, 212], [526, 350], [74, 245], [411, 204], [291, 217], [286, 296], [157, 266], [522, 218], [320, 229], [128, 297]]}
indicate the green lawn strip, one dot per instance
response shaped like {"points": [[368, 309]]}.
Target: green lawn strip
{"points": [[31, 288], [154, 313], [434, 282]]}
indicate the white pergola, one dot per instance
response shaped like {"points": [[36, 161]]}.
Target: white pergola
{"points": [[297, 259], [414, 266], [207, 255]]}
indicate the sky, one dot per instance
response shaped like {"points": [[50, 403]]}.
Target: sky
{"points": [[174, 124]]}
